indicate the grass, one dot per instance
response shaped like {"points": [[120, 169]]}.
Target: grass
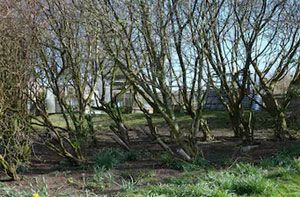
{"points": [[216, 118], [170, 161], [112, 158], [37, 188], [102, 121], [107, 159], [101, 179], [242, 180], [279, 176]]}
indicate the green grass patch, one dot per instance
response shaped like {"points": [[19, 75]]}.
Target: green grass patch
{"points": [[279, 176], [217, 119], [241, 180]]}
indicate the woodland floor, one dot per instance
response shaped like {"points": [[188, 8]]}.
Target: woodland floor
{"points": [[46, 166], [52, 176]]}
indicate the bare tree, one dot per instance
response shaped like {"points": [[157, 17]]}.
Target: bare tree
{"points": [[68, 62], [139, 37], [187, 66], [16, 47], [217, 33], [107, 100], [112, 85], [275, 53]]}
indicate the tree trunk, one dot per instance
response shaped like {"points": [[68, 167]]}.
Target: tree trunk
{"points": [[9, 169], [200, 124], [121, 133], [274, 108], [236, 124], [281, 131], [66, 149], [207, 136], [75, 161], [187, 144], [241, 127]]}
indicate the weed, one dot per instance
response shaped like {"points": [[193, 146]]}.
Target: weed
{"points": [[130, 156], [110, 177], [70, 180], [41, 189], [107, 159], [288, 158], [126, 175], [101, 179], [187, 178], [112, 158], [11, 191], [167, 158], [98, 178], [62, 166], [190, 166], [145, 176], [289, 186], [191, 190], [195, 164], [128, 185]]}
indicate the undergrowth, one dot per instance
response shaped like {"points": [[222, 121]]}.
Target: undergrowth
{"points": [[279, 176], [112, 158], [37, 188]]}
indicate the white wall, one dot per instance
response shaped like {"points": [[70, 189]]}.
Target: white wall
{"points": [[50, 102]]}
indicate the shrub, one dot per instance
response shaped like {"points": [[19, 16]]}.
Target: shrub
{"points": [[15, 132]]}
